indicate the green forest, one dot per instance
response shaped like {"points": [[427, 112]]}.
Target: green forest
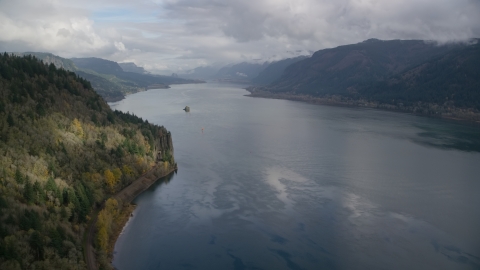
{"points": [[64, 152]]}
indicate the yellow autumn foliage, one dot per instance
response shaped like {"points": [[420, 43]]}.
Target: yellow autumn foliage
{"points": [[117, 173], [76, 128], [110, 179], [104, 223], [127, 170]]}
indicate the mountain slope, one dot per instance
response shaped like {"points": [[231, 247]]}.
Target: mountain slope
{"points": [[131, 67], [108, 86], [452, 78], [49, 58], [63, 152], [200, 73], [410, 75], [132, 79], [344, 69], [275, 70], [98, 65], [242, 72]]}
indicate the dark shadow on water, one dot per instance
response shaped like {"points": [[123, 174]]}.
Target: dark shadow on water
{"points": [[237, 263], [455, 136], [161, 181], [213, 238], [287, 258], [457, 255]]}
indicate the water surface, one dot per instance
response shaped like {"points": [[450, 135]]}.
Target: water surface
{"points": [[276, 184]]}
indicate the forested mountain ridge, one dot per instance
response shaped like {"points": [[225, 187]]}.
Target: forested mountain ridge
{"points": [[103, 66], [407, 75], [452, 78], [108, 78], [344, 69], [58, 61], [102, 73], [63, 151]]}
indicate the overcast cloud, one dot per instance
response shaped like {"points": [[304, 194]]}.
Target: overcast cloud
{"points": [[175, 35]]}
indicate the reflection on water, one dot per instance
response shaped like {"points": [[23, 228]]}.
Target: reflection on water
{"points": [[274, 184]]}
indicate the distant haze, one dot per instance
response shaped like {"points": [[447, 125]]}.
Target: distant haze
{"points": [[165, 36]]}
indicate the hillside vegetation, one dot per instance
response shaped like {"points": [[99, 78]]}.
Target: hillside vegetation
{"points": [[108, 78], [63, 152], [96, 69], [407, 75], [452, 78]]}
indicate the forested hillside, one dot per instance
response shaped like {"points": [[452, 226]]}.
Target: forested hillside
{"points": [[407, 75], [452, 78], [342, 70], [63, 152]]}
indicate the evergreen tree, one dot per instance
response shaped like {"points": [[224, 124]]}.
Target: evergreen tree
{"points": [[10, 120], [28, 192], [18, 176], [36, 244]]}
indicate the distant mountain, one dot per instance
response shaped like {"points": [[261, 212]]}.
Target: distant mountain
{"points": [[112, 82], [408, 75], [452, 78], [98, 65], [49, 58], [103, 66], [200, 73], [243, 72], [275, 70], [131, 67], [344, 69]]}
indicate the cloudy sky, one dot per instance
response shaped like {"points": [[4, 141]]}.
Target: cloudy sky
{"points": [[178, 35]]}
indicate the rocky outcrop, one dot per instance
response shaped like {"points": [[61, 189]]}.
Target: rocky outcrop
{"points": [[164, 146]]}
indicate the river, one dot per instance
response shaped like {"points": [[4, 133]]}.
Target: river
{"points": [[278, 184]]}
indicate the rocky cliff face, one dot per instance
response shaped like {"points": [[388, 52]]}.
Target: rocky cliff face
{"points": [[164, 146]]}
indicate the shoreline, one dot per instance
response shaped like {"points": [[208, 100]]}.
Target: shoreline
{"points": [[458, 115], [124, 217], [124, 199]]}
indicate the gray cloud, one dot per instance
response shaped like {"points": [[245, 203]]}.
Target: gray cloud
{"points": [[176, 35]]}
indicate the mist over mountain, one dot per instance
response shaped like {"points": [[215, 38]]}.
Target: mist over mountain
{"points": [[200, 73], [242, 72], [131, 67], [275, 70]]}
